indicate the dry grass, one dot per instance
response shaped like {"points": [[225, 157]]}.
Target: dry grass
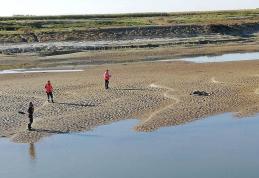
{"points": [[19, 24]]}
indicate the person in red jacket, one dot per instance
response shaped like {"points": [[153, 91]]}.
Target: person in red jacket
{"points": [[49, 90], [106, 77]]}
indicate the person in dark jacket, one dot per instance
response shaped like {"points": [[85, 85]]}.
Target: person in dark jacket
{"points": [[30, 115]]}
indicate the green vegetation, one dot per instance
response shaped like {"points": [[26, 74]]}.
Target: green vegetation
{"points": [[26, 24]]}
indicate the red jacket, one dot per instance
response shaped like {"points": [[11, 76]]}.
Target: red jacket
{"points": [[106, 76], [48, 88]]}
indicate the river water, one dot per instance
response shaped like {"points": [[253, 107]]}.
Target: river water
{"points": [[218, 146], [219, 58]]}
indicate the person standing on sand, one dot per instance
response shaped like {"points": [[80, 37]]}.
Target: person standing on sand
{"points": [[106, 77], [30, 112], [49, 90]]}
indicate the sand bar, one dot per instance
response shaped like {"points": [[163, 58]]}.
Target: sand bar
{"points": [[158, 94]]}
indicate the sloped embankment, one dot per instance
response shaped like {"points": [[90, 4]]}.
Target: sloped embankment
{"points": [[130, 33]]}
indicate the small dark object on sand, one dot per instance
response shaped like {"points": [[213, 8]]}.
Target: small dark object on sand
{"points": [[200, 93], [21, 112]]}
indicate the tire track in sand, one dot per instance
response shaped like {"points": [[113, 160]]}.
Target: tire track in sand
{"points": [[166, 95], [257, 90]]}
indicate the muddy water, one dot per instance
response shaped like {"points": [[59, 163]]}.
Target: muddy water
{"points": [[219, 146]]}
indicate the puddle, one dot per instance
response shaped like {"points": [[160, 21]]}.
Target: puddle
{"points": [[219, 146], [220, 58], [38, 70]]}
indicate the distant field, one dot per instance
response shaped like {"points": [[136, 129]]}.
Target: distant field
{"points": [[25, 24]]}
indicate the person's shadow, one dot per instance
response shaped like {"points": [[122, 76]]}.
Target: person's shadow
{"points": [[50, 131], [75, 104], [131, 89]]}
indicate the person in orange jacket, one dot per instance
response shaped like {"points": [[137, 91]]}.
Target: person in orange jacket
{"points": [[49, 90], [106, 77]]}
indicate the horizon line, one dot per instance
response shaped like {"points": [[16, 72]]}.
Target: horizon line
{"points": [[129, 13]]}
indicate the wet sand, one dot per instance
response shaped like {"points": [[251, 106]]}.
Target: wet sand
{"points": [[158, 94], [100, 57]]}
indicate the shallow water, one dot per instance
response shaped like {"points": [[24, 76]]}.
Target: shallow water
{"points": [[219, 146], [220, 58], [39, 70]]}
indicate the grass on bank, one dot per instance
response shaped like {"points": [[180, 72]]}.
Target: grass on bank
{"points": [[19, 24]]}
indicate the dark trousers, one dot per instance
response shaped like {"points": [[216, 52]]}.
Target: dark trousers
{"points": [[106, 84], [50, 96], [31, 121]]}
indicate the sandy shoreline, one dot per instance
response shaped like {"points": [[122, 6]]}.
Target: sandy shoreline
{"points": [[156, 93]]}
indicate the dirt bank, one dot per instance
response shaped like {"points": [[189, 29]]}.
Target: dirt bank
{"points": [[131, 33]]}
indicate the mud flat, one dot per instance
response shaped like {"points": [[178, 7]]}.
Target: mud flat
{"points": [[156, 93], [86, 58]]}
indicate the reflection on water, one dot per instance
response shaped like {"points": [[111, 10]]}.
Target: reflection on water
{"points": [[32, 152], [219, 146], [220, 58]]}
